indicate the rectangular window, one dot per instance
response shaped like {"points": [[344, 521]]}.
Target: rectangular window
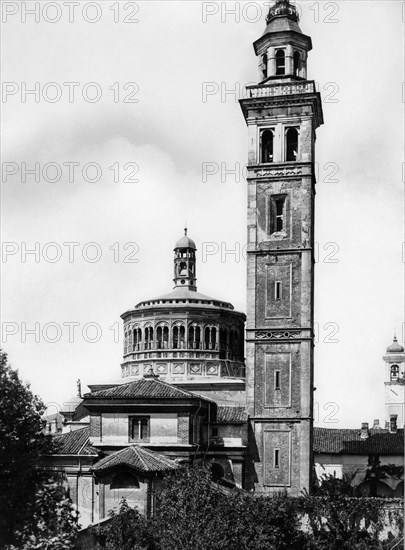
{"points": [[214, 432], [277, 290], [277, 380], [276, 458], [139, 428], [277, 212]]}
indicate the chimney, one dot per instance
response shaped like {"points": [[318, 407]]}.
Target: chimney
{"points": [[364, 431], [79, 388], [376, 424]]}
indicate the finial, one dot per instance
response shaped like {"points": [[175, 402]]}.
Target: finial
{"points": [[185, 230], [395, 336], [283, 8]]}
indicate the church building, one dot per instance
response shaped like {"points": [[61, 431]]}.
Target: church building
{"points": [[181, 400]]}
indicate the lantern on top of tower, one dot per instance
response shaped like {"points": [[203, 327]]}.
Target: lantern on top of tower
{"points": [[283, 48], [184, 263]]}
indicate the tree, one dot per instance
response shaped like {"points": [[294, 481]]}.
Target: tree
{"points": [[32, 506], [193, 512], [338, 520], [53, 522], [127, 530]]}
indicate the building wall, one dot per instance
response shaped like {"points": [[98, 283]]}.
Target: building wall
{"points": [[337, 465], [113, 428], [109, 498]]}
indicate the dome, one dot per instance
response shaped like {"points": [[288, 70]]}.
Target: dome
{"points": [[181, 296], [395, 347], [185, 242]]}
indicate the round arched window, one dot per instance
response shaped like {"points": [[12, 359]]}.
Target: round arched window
{"points": [[394, 372], [280, 62]]}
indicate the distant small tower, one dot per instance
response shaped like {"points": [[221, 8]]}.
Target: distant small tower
{"points": [[184, 263], [394, 385]]}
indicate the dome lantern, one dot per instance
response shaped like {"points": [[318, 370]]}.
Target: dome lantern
{"points": [[185, 263]]}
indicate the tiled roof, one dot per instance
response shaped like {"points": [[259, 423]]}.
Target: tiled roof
{"points": [[231, 415], [145, 388], [138, 458], [74, 443], [379, 442]]}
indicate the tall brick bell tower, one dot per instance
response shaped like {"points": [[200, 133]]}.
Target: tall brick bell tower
{"points": [[282, 113]]}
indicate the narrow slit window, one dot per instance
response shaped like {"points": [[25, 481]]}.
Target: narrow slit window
{"points": [[264, 65], [279, 214], [280, 62], [291, 143], [296, 61], [267, 140], [277, 380], [277, 290], [276, 458]]}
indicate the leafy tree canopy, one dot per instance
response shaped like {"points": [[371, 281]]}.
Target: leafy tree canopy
{"points": [[33, 508]]}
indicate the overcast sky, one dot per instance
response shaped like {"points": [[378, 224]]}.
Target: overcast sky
{"points": [[163, 135]]}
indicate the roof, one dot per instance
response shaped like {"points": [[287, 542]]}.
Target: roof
{"points": [[138, 458], [183, 296], [379, 442], [231, 415], [74, 443], [144, 388], [395, 347], [185, 242]]}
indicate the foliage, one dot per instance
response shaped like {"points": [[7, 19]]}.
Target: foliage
{"points": [[127, 530], [192, 512], [53, 522], [378, 471], [337, 520], [33, 508]]}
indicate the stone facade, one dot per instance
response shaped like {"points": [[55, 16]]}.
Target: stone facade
{"points": [[282, 113]]}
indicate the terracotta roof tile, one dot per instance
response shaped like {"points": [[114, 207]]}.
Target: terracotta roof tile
{"points": [[138, 458], [74, 443], [231, 415], [379, 442], [145, 388]]}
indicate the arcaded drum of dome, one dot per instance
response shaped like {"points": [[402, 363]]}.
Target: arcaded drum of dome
{"points": [[184, 335]]}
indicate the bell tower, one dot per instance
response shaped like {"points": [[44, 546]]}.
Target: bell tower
{"points": [[394, 385], [282, 113]]}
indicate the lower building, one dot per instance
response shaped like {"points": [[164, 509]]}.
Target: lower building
{"points": [[372, 459]]}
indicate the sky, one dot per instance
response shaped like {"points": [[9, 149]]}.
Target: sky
{"points": [[121, 124]]}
